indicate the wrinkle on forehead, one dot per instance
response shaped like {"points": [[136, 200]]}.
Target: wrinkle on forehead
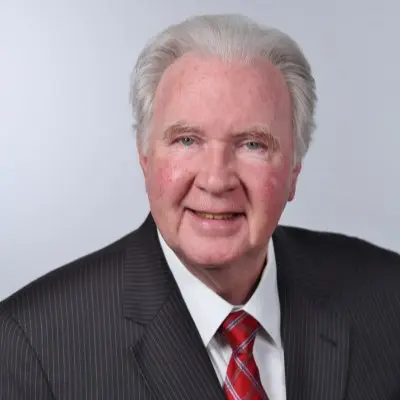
{"points": [[227, 93]]}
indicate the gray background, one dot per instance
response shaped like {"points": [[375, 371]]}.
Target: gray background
{"points": [[69, 176]]}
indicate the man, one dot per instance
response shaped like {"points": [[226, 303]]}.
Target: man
{"points": [[210, 298]]}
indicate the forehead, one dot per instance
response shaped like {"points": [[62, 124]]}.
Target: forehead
{"points": [[204, 90]]}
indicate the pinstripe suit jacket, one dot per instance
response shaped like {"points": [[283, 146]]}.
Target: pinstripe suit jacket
{"points": [[113, 325]]}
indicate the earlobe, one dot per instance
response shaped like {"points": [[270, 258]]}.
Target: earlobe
{"points": [[142, 156], [292, 192], [293, 184], [143, 163]]}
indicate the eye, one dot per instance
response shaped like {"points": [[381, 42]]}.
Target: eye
{"points": [[253, 145], [186, 141]]}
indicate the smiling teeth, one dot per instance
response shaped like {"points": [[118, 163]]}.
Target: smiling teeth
{"points": [[216, 216]]}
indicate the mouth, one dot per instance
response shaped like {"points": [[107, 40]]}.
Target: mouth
{"points": [[225, 216]]}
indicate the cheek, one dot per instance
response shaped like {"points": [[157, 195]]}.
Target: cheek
{"points": [[165, 181], [272, 191]]}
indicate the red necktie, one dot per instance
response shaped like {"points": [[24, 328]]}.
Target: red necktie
{"points": [[242, 378]]}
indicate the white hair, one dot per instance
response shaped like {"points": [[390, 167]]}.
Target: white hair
{"points": [[231, 37]]}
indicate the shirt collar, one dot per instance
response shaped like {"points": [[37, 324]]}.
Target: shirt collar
{"points": [[209, 312]]}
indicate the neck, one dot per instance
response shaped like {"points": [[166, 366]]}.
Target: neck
{"points": [[235, 282]]}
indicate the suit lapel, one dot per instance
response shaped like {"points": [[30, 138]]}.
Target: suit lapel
{"points": [[316, 345], [173, 359], [170, 353], [315, 339]]}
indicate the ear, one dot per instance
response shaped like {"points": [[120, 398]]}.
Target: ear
{"points": [[142, 156], [293, 184]]}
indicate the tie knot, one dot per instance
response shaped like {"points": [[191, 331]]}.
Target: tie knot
{"points": [[240, 329]]}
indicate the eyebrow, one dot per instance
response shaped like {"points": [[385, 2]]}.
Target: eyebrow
{"points": [[260, 132], [179, 128]]}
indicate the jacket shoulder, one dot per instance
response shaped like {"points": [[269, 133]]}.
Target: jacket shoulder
{"points": [[345, 264], [342, 245], [95, 271]]}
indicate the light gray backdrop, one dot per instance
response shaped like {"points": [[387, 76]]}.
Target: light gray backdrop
{"points": [[69, 177]]}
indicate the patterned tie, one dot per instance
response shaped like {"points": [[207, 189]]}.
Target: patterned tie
{"points": [[242, 380]]}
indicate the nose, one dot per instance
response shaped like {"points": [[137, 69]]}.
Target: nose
{"points": [[217, 173]]}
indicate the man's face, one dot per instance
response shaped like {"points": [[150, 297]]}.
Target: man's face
{"points": [[219, 166]]}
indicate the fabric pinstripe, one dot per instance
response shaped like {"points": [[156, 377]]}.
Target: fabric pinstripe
{"points": [[113, 325]]}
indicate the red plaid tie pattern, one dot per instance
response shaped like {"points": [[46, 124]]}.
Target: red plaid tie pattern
{"points": [[242, 380]]}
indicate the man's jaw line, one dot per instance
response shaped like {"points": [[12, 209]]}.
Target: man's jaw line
{"points": [[222, 279]]}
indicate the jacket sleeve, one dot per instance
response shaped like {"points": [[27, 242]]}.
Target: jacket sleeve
{"points": [[21, 374]]}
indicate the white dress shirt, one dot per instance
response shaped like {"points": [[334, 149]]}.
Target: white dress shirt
{"points": [[209, 310]]}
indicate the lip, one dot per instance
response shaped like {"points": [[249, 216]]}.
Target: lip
{"points": [[193, 210], [215, 228]]}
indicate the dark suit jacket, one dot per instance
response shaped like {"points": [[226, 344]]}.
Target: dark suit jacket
{"points": [[113, 325]]}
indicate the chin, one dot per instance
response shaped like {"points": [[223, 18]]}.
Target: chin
{"points": [[212, 252]]}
